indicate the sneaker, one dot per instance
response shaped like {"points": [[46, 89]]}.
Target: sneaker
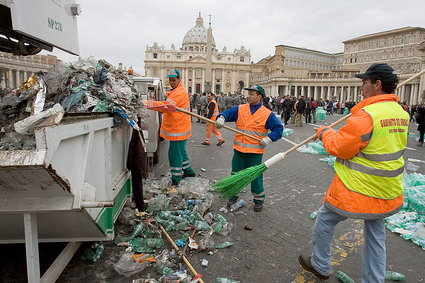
{"points": [[205, 143], [185, 175], [231, 201], [220, 142], [258, 206], [306, 264]]}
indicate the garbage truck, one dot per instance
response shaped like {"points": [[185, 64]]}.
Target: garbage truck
{"points": [[73, 185]]}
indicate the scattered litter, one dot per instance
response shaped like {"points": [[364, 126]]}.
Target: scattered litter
{"points": [[225, 280], [94, 252], [313, 214], [247, 227], [329, 160], [224, 245], [127, 267], [313, 147], [344, 278], [203, 170], [395, 276], [287, 132], [320, 114], [204, 263]]}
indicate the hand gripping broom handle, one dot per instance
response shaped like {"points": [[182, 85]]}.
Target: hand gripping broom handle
{"points": [[281, 155], [213, 122]]}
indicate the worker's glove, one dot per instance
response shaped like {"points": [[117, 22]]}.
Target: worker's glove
{"points": [[165, 108], [219, 123], [265, 142]]}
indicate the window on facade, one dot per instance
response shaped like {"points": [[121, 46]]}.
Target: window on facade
{"points": [[190, 57], [155, 72], [190, 48], [168, 56], [178, 56], [218, 58], [198, 73], [229, 59], [241, 59], [155, 55], [241, 74]]}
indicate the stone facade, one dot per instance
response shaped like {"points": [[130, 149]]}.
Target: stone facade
{"points": [[299, 71], [14, 70], [201, 70]]}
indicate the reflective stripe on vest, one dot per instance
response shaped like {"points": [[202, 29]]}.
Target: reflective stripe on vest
{"points": [[377, 170], [254, 124]]}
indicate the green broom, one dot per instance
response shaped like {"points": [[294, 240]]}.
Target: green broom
{"points": [[233, 184]]}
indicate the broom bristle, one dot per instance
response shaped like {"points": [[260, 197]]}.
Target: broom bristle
{"points": [[233, 184]]}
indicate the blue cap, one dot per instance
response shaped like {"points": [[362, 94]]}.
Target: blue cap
{"points": [[379, 71], [174, 73]]}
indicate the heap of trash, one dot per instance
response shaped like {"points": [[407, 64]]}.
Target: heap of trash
{"points": [[410, 221], [320, 114], [179, 215], [87, 85]]}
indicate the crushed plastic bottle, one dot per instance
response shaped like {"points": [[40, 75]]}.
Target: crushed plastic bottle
{"points": [[181, 225], [202, 225], [224, 245], [237, 205], [344, 278], [163, 269], [225, 280], [395, 276], [139, 228], [313, 214]]}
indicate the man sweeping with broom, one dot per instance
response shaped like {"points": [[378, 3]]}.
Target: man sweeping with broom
{"points": [[369, 171], [255, 119]]}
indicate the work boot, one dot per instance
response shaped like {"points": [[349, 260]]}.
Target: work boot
{"points": [[185, 175], [231, 201], [306, 264], [205, 143], [258, 206], [220, 142]]}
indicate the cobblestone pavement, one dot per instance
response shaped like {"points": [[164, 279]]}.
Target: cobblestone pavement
{"points": [[268, 252]]}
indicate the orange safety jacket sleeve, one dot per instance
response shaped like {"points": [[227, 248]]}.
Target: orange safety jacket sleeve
{"points": [[350, 139], [150, 103]]}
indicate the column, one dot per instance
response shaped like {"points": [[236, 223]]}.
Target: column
{"points": [[309, 91], [193, 80], [18, 78], [10, 81], [321, 90], [328, 94], [203, 81], [213, 81], [415, 95], [302, 90], [296, 91]]}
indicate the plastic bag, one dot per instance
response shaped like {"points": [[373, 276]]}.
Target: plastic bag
{"points": [[127, 266], [27, 125]]}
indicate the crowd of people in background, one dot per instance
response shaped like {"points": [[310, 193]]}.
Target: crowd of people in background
{"points": [[296, 110]]}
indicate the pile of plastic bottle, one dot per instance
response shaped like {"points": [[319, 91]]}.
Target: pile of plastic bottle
{"points": [[313, 147], [320, 114], [410, 221], [287, 132]]}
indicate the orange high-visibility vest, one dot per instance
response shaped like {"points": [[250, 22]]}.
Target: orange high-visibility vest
{"points": [[215, 113], [176, 126], [253, 124]]}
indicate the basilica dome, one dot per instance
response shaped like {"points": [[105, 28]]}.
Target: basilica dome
{"points": [[197, 35]]}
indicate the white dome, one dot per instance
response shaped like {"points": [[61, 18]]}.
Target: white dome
{"points": [[197, 34]]}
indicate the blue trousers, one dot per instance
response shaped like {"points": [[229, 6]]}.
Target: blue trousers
{"points": [[374, 253]]}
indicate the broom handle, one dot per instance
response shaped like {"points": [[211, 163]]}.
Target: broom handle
{"points": [[314, 136], [213, 122], [178, 251]]}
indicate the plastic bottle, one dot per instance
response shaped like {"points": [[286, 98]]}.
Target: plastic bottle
{"points": [[313, 214], [165, 215], [224, 245], [237, 205], [193, 201], [139, 228], [202, 225], [181, 225], [164, 270], [100, 249], [225, 280], [344, 278], [220, 218], [392, 275]]}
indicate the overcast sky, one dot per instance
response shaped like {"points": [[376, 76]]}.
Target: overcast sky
{"points": [[119, 31]]}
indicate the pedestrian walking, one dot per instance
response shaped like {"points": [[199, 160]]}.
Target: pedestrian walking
{"points": [[176, 127], [420, 119], [212, 113], [368, 180], [255, 119], [300, 107]]}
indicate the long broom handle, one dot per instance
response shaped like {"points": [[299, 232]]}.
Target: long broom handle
{"points": [[278, 157], [213, 122], [178, 251], [314, 136]]}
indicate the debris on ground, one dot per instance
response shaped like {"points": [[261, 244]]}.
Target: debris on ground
{"points": [[313, 147], [410, 221], [329, 160]]}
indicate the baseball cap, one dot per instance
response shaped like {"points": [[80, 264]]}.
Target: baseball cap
{"points": [[173, 73], [379, 71], [258, 89]]}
